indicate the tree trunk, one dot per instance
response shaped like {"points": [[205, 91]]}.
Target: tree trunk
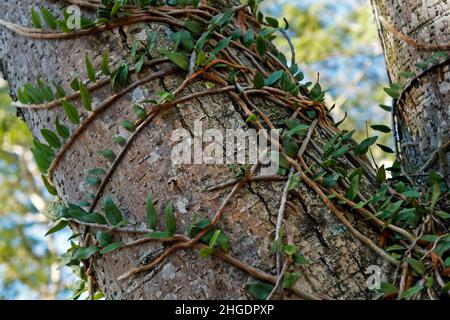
{"points": [[338, 260], [412, 31]]}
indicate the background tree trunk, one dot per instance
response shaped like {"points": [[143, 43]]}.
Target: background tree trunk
{"points": [[338, 260], [422, 114]]}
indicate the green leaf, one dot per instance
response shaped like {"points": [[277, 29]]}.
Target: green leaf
{"points": [[339, 152], [206, 252], [171, 224], [252, 118], [97, 172], [272, 22], [381, 128], [442, 215], [347, 136], [290, 278], [93, 181], [290, 249], [294, 181], [115, 8], [36, 19], [89, 68], [331, 180], [224, 242], [105, 63], [193, 26], [386, 108], [407, 75], [139, 111], [22, 98], [394, 90], [45, 90], [290, 146], [95, 217], [50, 188], [258, 82], [99, 295], [408, 294], [43, 154], [49, 18], [261, 45], [249, 37], [32, 94], [236, 34], [75, 84], [108, 154], [85, 97], [395, 247], [178, 58], [151, 40], [447, 262], [354, 186], [42, 161], [158, 235], [110, 248], [388, 288], [274, 78], [364, 146], [80, 214], [151, 212], [317, 95], [412, 193], [58, 226], [260, 290], [51, 138], [71, 112], [62, 130], [385, 148], [417, 266], [112, 212], [435, 195], [381, 174], [139, 64], [128, 125], [300, 260], [84, 253], [120, 75], [221, 45], [134, 49], [429, 238], [195, 228], [213, 240], [103, 238], [123, 74], [120, 140]]}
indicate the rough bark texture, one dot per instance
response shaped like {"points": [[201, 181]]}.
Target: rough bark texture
{"points": [[423, 114], [338, 260]]}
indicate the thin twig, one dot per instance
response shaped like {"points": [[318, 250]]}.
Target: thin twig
{"points": [[280, 221]]}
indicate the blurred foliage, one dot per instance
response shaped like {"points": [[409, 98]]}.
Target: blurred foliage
{"points": [[335, 38], [28, 260]]}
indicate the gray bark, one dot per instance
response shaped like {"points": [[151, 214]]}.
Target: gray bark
{"points": [[423, 114], [338, 260]]}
